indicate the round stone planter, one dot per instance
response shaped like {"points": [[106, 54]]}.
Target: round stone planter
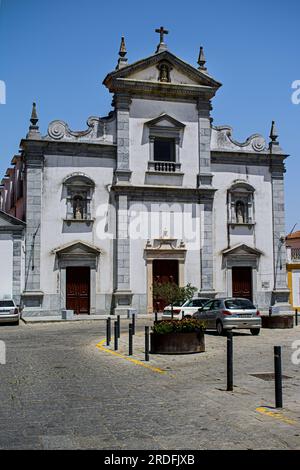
{"points": [[177, 343], [278, 321]]}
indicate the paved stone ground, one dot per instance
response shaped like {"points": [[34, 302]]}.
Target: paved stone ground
{"points": [[58, 391]]}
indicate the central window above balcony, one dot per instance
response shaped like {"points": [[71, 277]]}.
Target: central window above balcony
{"points": [[165, 141], [164, 150]]}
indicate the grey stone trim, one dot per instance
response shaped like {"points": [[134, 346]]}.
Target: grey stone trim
{"points": [[123, 245], [231, 157], [280, 277], [204, 132], [122, 104], [206, 260], [33, 230], [164, 193]]}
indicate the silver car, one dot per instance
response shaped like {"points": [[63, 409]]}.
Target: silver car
{"points": [[9, 312], [230, 313]]}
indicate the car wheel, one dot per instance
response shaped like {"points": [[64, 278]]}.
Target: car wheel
{"points": [[17, 322], [255, 331], [220, 329], [187, 316]]}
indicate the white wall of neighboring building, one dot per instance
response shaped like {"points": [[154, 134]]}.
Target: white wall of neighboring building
{"points": [[6, 272]]}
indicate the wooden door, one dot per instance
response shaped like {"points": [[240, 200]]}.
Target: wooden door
{"points": [[242, 282], [78, 290], [164, 271]]}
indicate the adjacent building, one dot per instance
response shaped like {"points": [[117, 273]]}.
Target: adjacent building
{"points": [[293, 268]]}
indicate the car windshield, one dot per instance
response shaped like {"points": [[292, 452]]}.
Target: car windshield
{"points": [[6, 303], [236, 304]]}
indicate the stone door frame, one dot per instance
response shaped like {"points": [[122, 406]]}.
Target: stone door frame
{"points": [[163, 249]]}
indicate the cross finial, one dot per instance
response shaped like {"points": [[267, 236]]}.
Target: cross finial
{"points": [[162, 46]]}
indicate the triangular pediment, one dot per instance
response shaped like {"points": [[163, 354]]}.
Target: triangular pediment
{"points": [[77, 248], [241, 250], [147, 70], [165, 120]]}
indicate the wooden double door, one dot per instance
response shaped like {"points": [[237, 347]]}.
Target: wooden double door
{"points": [[242, 282], [164, 271], [78, 290]]}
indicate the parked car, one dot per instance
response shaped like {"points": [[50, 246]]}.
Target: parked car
{"points": [[187, 309], [9, 312], [226, 313]]}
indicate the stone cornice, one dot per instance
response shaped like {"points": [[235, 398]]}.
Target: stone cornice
{"points": [[132, 86], [50, 147], [165, 192], [244, 158]]}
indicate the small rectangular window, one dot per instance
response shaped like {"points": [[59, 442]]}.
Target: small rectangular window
{"points": [[164, 150]]}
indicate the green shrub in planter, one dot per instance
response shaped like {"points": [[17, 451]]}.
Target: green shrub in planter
{"points": [[187, 325]]}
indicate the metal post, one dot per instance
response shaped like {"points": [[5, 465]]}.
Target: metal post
{"points": [[229, 361], [296, 317], [130, 349], [116, 336], [147, 343], [119, 325], [278, 377], [156, 317], [108, 331], [133, 323]]}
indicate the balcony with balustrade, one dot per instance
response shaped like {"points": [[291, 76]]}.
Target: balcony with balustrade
{"points": [[164, 173]]}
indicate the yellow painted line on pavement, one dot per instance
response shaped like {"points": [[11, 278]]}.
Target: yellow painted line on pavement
{"points": [[134, 361], [276, 415]]}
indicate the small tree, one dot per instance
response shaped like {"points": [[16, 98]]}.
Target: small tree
{"points": [[172, 294]]}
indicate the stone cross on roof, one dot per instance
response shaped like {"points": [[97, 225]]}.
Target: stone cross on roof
{"points": [[162, 46]]}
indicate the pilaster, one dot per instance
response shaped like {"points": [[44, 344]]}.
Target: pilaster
{"points": [[207, 258], [122, 294], [34, 169], [205, 176], [122, 104]]}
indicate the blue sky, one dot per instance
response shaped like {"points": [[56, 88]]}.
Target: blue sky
{"points": [[57, 52]]}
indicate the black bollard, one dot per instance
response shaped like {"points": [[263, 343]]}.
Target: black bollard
{"points": [[116, 336], [133, 323], [156, 317], [278, 377], [130, 348], [108, 331], [119, 325], [296, 317], [147, 343], [229, 361]]}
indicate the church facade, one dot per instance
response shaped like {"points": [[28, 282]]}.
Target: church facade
{"points": [[152, 191]]}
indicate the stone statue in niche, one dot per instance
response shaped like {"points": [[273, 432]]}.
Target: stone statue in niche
{"points": [[240, 212], [164, 73], [78, 210]]}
